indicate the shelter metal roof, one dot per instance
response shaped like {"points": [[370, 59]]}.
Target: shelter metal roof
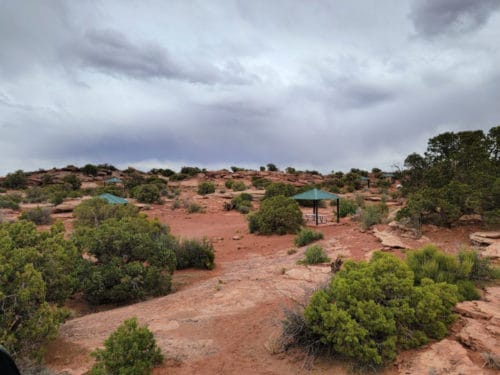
{"points": [[113, 180], [113, 199], [315, 194]]}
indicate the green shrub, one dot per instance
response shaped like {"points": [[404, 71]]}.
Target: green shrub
{"points": [[36, 195], [238, 186], [47, 179], [177, 203], [10, 201], [242, 202], [16, 180], [148, 193], [89, 170], [72, 181], [190, 171], [371, 215], [92, 212], [272, 167], [192, 253], [38, 215], [129, 350], [194, 208], [314, 255], [259, 182], [229, 183], [278, 214], [134, 259], [462, 270], [347, 207], [37, 268], [279, 188], [206, 188], [306, 236], [369, 310]]}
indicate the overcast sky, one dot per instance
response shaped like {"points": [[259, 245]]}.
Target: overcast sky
{"points": [[313, 84]]}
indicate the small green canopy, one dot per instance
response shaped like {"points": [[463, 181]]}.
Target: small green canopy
{"points": [[113, 199], [113, 180], [316, 195]]}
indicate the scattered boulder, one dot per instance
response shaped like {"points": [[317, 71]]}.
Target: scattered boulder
{"points": [[480, 337], [444, 357], [484, 238], [492, 251], [390, 239]]}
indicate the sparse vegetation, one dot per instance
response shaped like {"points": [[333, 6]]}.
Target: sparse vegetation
{"points": [[130, 349], [192, 253], [194, 208], [347, 207], [10, 201], [206, 187], [314, 255], [372, 215], [37, 215], [306, 236], [15, 180]]}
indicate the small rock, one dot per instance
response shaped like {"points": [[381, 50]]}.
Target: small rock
{"points": [[236, 238], [479, 338], [492, 251], [484, 238], [470, 310], [389, 239]]}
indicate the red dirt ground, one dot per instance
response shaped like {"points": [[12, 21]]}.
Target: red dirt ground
{"points": [[225, 321]]}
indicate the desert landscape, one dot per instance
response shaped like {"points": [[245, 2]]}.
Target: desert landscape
{"points": [[228, 319], [249, 187]]}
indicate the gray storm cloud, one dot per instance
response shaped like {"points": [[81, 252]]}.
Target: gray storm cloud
{"points": [[319, 85]]}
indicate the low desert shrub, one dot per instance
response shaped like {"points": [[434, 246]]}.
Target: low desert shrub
{"points": [[147, 193], [371, 215], [92, 212], [242, 202], [206, 187], [462, 270], [15, 180], [194, 208], [238, 186], [314, 255], [192, 253], [279, 188], [372, 309], [278, 215], [229, 183], [72, 181], [129, 350], [347, 207], [37, 215], [10, 201], [36, 195], [306, 236]]}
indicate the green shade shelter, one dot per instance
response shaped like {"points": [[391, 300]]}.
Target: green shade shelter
{"points": [[113, 199], [114, 180], [316, 195]]}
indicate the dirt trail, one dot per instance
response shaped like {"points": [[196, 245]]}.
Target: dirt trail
{"points": [[219, 324]]}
